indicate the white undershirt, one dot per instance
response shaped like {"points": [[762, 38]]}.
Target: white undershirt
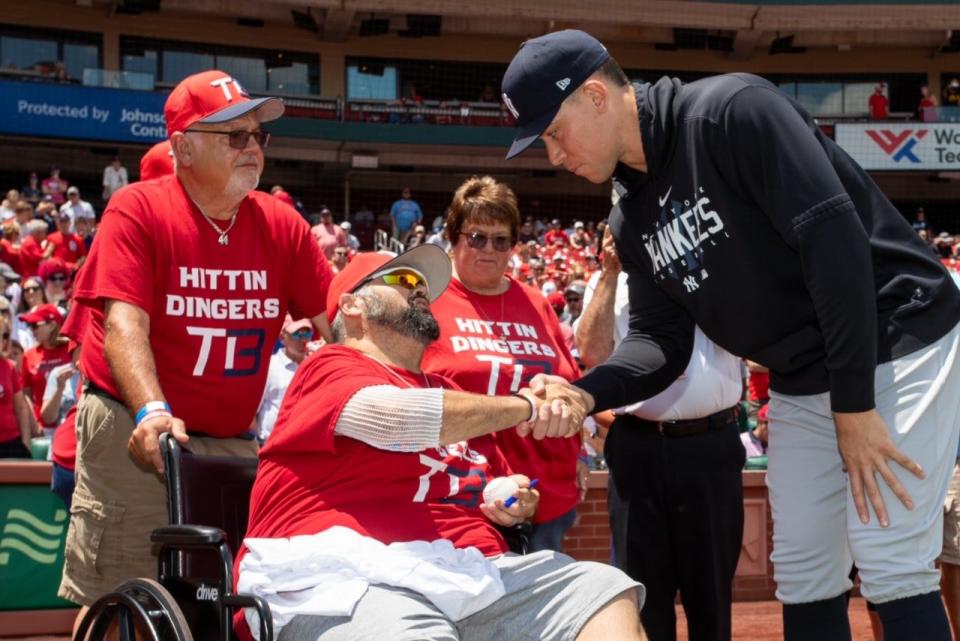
{"points": [[710, 383]]}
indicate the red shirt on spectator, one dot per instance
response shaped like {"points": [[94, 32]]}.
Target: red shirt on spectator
{"points": [[64, 446], [37, 363], [215, 310], [10, 255], [67, 247], [758, 386], [483, 351], [31, 255], [879, 105], [553, 235], [9, 385]]}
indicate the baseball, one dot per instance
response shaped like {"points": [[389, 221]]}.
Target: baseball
{"points": [[501, 488]]}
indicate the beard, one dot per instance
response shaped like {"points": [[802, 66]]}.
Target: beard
{"points": [[412, 321]]}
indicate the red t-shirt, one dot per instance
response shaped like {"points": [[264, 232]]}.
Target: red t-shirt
{"points": [[37, 363], [879, 106], [215, 310], [67, 247], [31, 255], [553, 235], [311, 479], [10, 255], [758, 386], [495, 345], [65, 440], [9, 385]]}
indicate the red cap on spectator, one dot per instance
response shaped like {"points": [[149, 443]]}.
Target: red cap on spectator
{"points": [[157, 162], [52, 266], [214, 97], [45, 312], [428, 260], [556, 300]]}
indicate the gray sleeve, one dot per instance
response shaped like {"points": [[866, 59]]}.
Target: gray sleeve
{"points": [[394, 419]]}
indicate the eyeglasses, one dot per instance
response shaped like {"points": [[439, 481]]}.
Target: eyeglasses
{"points": [[239, 137], [32, 288], [476, 240], [408, 280], [60, 278], [302, 335]]}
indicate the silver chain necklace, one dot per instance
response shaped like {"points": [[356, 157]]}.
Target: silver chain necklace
{"points": [[223, 239]]}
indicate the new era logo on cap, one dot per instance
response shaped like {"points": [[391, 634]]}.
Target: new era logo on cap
{"points": [[569, 55], [214, 97]]}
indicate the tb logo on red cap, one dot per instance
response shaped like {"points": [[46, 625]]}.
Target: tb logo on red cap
{"points": [[224, 84]]}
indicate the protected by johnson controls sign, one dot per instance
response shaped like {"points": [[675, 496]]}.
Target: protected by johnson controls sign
{"points": [[91, 113], [912, 146]]}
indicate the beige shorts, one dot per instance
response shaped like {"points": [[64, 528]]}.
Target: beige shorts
{"points": [[117, 502], [951, 521]]}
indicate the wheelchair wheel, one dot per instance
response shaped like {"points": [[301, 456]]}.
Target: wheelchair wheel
{"points": [[140, 607]]}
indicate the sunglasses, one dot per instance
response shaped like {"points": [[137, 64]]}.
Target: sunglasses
{"points": [[36, 325], [476, 240], [238, 138], [32, 288], [60, 278], [302, 335], [407, 280], [573, 299]]}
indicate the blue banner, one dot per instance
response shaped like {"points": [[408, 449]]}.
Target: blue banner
{"points": [[69, 111]]}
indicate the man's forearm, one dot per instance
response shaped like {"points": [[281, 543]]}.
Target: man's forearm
{"points": [[128, 353], [467, 415], [595, 327]]}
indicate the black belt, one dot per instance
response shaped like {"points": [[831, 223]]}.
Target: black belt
{"points": [[691, 427]]}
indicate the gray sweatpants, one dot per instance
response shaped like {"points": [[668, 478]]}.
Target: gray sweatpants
{"points": [[817, 533]]}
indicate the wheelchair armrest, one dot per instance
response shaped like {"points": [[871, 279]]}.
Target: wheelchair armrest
{"points": [[188, 536], [232, 601]]}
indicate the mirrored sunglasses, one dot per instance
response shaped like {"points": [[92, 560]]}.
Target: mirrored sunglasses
{"points": [[408, 280], [239, 138], [302, 335]]}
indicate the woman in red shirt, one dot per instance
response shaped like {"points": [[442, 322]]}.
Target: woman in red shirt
{"points": [[496, 334]]}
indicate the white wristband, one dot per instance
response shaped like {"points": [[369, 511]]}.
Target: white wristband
{"points": [[533, 406]]}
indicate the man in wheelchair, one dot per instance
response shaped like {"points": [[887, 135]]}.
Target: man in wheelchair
{"points": [[367, 519]]}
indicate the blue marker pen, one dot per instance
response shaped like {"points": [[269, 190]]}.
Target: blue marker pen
{"points": [[513, 499]]}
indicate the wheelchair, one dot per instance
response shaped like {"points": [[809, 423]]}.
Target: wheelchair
{"points": [[192, 597]]}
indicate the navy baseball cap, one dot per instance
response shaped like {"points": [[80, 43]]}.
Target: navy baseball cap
{"points": [[543, 73]]}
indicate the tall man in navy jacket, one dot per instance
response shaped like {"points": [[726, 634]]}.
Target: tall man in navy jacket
{"points": [[739, 215]]}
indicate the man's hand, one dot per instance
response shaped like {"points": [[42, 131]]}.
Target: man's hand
{"points": [[64, 374], [611, 261], [144, 443], [583, 476], [561, 410], [525, 507], [865, 447]]}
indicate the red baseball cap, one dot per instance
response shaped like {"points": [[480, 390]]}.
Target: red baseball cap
{"points": [[157, 162], [45, 312], [428, 260], [213, 97]]}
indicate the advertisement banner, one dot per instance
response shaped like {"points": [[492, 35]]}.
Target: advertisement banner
{"points": [[33, 530], [88, 113], [913, 146]]}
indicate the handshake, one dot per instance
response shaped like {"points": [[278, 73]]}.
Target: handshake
{"points": [[560, 407]]}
